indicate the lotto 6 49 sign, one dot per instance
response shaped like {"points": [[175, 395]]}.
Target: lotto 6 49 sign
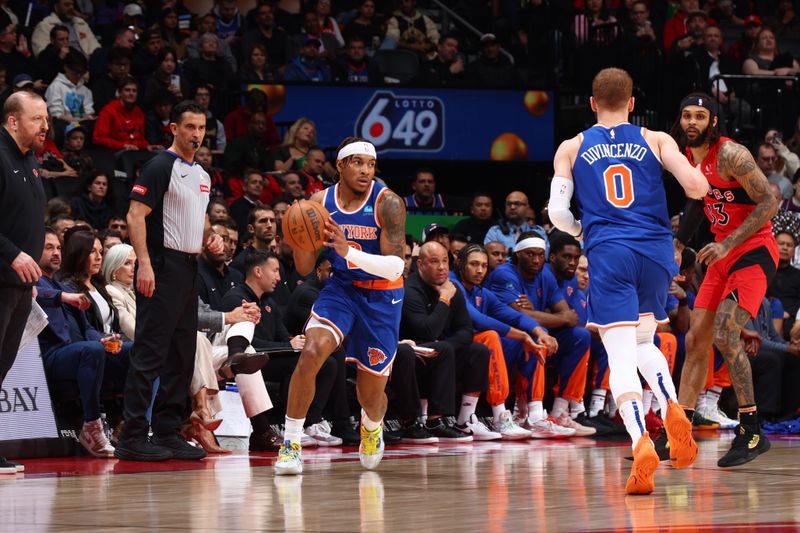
{"points": [[402, 123]]}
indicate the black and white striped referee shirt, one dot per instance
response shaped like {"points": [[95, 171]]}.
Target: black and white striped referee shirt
{"points": [[177, 191]]}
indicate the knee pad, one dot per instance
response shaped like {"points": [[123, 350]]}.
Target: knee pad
{"points": [[646, 329]]}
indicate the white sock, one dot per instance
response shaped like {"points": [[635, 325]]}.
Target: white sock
{"points": [[498, 410], [535, 411], [293, 429], [576, 408], [598, 402], [633, 415], [468, 404], [423, 409], [647, 400], [712, 396], [369, 424], [612, 406], [701, 401], [653, 366], [560, 406]]}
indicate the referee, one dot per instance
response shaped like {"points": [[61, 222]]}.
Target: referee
{"points": [[166, 222], [22, 203]]}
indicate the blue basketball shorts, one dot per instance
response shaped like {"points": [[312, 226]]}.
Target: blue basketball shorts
{"points": [[623, 285], [370, 317]]}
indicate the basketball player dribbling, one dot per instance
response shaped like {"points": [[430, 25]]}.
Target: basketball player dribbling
{"points": [[614, 169], [362, 299], [741, 261]]}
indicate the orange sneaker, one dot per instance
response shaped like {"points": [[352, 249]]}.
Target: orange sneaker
{"points": [[645, 463], [682, 447]]}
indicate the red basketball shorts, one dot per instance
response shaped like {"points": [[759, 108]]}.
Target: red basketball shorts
{"points": [[742, 276]]}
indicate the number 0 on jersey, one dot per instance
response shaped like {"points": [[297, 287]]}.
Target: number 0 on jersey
{"points": [[618, 182]]}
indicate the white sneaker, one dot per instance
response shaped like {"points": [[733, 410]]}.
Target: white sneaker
{"points": [[715, 414], [307, 441], [479, 430], [508, 429], [289, 460], [321, 432], [547, 428], [93, 438], [566, 421]]}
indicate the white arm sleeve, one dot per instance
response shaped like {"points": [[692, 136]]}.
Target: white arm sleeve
{"points": [[558, 207], [388, 267]]}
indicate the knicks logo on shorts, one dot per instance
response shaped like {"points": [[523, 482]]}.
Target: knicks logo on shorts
{"points": [[376, 356]]}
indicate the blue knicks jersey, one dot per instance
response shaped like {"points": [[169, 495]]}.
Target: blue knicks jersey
{"points": [[620, 193], [361, 229]]}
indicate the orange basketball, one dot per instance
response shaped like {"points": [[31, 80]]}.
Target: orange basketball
{"points": [[304, 225]]}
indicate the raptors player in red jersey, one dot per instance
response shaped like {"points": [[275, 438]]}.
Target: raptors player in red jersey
{"points": [[740, 261]]}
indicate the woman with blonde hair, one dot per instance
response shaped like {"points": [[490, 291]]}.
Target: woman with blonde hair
{"points": [[299, 139]]}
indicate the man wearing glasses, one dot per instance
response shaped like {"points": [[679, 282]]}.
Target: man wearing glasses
{"points": [[509, 228]]}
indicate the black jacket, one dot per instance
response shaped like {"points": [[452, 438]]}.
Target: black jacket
{"points": [[93, 314], [211, 285], [473, 229], [300, 303], [270, 331], [22, 202], [427, 319], [97, 215]]}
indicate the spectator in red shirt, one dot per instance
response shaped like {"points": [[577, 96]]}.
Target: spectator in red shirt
{"points": [[313, 170], [120, 125], [237, 121], [676, 26]]}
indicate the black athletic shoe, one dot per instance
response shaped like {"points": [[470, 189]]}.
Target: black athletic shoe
{"points": [[442, 431], [416, 433], [701, 422], [179, 447], [141, 449], [595, 422], [349, 435], [746, 446], [267, 441], [389, 436]]}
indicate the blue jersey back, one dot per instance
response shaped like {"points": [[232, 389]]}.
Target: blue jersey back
{"points": [[620, 193], [361, 229]]}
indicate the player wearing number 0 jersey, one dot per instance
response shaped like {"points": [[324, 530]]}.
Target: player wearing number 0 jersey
{"points": [[362, 299], [740, 262], [614, 168]]}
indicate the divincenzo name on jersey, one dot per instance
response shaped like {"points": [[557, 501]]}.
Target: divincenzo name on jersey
{"points": [[617, 151]]}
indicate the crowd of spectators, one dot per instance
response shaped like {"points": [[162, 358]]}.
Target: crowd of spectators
{"points": [[111, 75]]}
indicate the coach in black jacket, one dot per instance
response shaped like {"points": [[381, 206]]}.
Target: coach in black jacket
{"points": [[22, 202], [435, 315]]}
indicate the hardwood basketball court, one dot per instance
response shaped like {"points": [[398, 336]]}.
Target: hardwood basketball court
{"points": [[573, 485]]}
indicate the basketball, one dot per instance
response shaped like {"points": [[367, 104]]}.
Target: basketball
{"points": [[304, 225]]}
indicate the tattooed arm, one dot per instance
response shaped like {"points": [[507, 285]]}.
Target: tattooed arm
{"points": [[735, 163], [392, 214]]}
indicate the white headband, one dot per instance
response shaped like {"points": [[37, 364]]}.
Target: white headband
{"points": [[530, 242], [358, 147]]}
